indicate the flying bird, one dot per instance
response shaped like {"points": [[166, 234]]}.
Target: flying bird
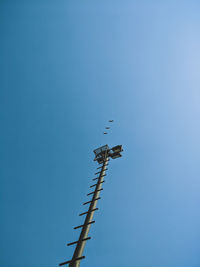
{"points": [[107, 128], [105, 133], [111, 120]]}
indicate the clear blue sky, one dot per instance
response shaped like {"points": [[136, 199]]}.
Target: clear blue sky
{"points": [[67, 67]]}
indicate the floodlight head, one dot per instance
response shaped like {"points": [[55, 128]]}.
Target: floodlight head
{"points": [[116, 152], [102, 152], [117, 149]]}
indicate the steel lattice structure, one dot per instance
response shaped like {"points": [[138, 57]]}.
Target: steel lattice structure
{"points": [[102, 156]]}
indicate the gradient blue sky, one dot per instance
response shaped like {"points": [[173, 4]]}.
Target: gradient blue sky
{"points": [[66, 68]]}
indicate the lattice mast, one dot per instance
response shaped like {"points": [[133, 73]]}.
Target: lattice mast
{"points": [[102, 156]]}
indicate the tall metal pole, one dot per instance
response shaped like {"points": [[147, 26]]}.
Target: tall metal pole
{"points": [[86, 226], [80, 244], [102, 155]]}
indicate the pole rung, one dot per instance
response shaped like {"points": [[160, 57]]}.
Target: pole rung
{"points": [[100, 171], [104, 161], [94, 192], [102, 166], [67, 262], [97, 184], [84, 239], [91, 201], [83, 225], [98, 177], [87, 212]]}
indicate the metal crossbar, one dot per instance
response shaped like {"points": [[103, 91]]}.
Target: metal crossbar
{"points": [[71, 261], [87, 212], [97, 184], [91, 193], [77, 227], [84, 239], [91, 201], [98, 177]]}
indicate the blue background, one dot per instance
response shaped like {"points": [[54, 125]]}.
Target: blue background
{"points": [[66, 68]]}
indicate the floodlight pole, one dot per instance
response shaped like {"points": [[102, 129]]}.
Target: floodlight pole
{"points": [[102, 156]]}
